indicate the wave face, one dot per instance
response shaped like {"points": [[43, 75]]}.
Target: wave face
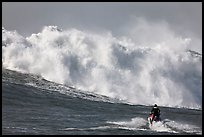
{"points": [[162, 72]]}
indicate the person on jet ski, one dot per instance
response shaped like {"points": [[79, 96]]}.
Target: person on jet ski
{"points": [[156, 113]]}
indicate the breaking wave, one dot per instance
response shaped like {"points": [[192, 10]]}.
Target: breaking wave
{"points": [[164, 71]]}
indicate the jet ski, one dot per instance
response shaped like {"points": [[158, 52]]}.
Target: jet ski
{"points": [[151, 120]]}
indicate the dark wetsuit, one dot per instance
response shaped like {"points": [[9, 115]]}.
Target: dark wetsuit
{"points": [[156, 112]]}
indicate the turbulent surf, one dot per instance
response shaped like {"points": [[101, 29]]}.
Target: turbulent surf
{"points": [[168, 71]]}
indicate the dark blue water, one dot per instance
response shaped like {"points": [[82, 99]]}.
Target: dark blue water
{"points": [[32, 105]]}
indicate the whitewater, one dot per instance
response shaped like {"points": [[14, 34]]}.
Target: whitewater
{"points": [[83, 82], [165, 72]]}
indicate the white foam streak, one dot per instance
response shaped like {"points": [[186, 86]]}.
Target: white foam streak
{"points": [[134, 123], [184, 127]]}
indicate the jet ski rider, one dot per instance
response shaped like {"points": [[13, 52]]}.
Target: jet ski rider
{"points": [[156, 113]]}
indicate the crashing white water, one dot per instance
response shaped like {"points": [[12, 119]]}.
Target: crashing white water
{"points": [[138, 123], [163, 71]]}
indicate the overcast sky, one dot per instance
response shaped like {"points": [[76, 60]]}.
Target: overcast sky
{"points": [[30, 17]]}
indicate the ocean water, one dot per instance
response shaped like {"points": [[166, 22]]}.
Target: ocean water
{"points": [[81, 82], [34, 106]]}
